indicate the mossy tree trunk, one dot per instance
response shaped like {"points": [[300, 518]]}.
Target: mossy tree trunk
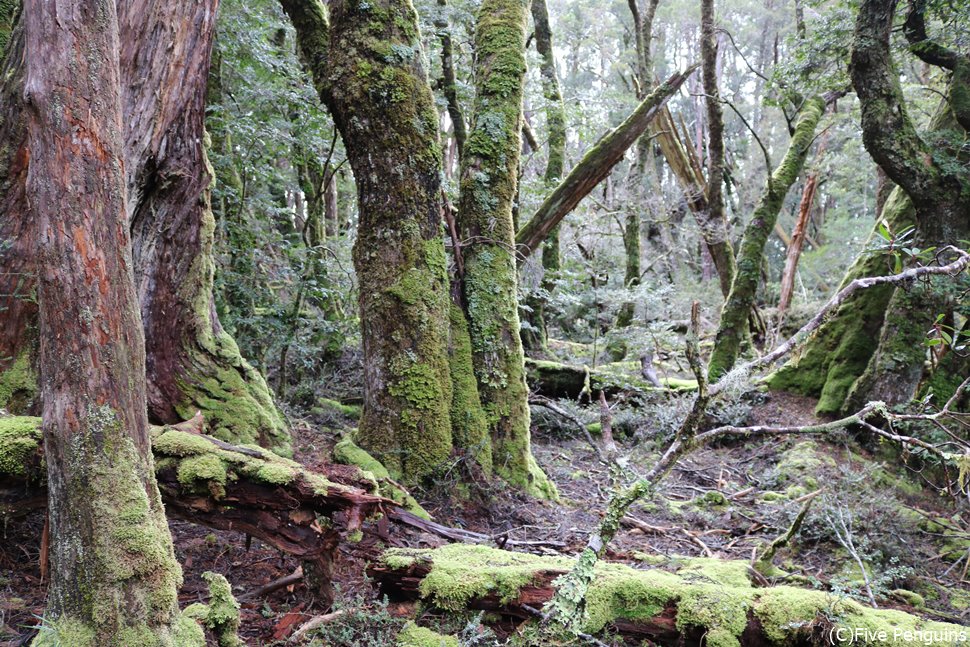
{"points": [[714, 221], [489, 172], [535, 337], [192, 363], [734, 316], [931, 172], [366, 62], [114, 574], [854, 347]]}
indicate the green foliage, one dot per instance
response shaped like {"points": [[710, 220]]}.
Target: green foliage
{"points": [[364, 623]]}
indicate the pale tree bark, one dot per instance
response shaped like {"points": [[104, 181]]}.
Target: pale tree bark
{"points": [[489, 173], [378, 94], [114, 574]]}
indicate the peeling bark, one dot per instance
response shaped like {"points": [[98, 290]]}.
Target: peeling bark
{"points": [[114, 577]]}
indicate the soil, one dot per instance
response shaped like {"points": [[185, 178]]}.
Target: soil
{"points": [[714, 504]]}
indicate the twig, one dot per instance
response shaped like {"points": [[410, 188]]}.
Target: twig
{"points": [[315, 622]]}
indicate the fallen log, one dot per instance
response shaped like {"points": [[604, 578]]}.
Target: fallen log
{"points": [[204, 480], [555, 380], [690, 602]]}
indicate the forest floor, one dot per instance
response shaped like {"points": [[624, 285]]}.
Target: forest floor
{"points": [[722, 501]]}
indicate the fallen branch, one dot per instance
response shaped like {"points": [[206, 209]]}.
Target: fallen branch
{"points": [[595, 166]]}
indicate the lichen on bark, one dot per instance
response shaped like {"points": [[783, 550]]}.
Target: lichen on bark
{"points": [[368, 67], [488, 187], [734, 315]]}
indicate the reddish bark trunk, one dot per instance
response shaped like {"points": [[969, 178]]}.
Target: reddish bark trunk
{"points": [[113, 567]]}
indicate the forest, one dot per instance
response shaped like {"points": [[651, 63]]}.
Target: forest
{"points": [[461, 323]]}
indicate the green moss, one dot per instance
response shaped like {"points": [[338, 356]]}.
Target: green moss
{"points": [[712, 595], [909, 597], [18, 384], [802, 464], [414, 636], [348, 410], [468, 424], [348, 453], [223, 613], [19, 440], [203, 467]]}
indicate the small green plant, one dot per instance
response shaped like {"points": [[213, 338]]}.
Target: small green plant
{"points": [[365, 623]]}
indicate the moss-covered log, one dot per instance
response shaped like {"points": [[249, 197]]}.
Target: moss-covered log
{"points": [[207, 481], [555, 380], [734, 316], [489, 176], [367, 65], [688, 601], [595, 166]]}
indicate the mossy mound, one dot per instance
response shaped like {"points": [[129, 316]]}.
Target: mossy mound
{"points": [[414, 636], [348, 453]]}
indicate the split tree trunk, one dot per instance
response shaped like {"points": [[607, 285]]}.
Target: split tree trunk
{"points": [[489, 174], [734, 316], [114, 574], [367, 66], [192, 363]]}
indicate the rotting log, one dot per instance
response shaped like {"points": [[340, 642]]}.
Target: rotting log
{"points": [[207, 481], [687, 601], [555, 380]]}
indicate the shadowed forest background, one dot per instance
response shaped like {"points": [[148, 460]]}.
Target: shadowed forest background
{"points": [[463, 322]]}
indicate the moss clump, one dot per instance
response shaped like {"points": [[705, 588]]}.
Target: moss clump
{"points": [[19, 440], [348, 453], [802, 463], [711, 595], [349, 410], [18, 384], [414, 636]]}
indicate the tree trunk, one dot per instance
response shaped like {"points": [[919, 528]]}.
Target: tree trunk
{"points": [[378, 94], [594, 167], [734, 316], [18, 335], [855, 345], [192, 363], [927, 171], [114, 574], [714, 225], [535, 339], [490, 166]]}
